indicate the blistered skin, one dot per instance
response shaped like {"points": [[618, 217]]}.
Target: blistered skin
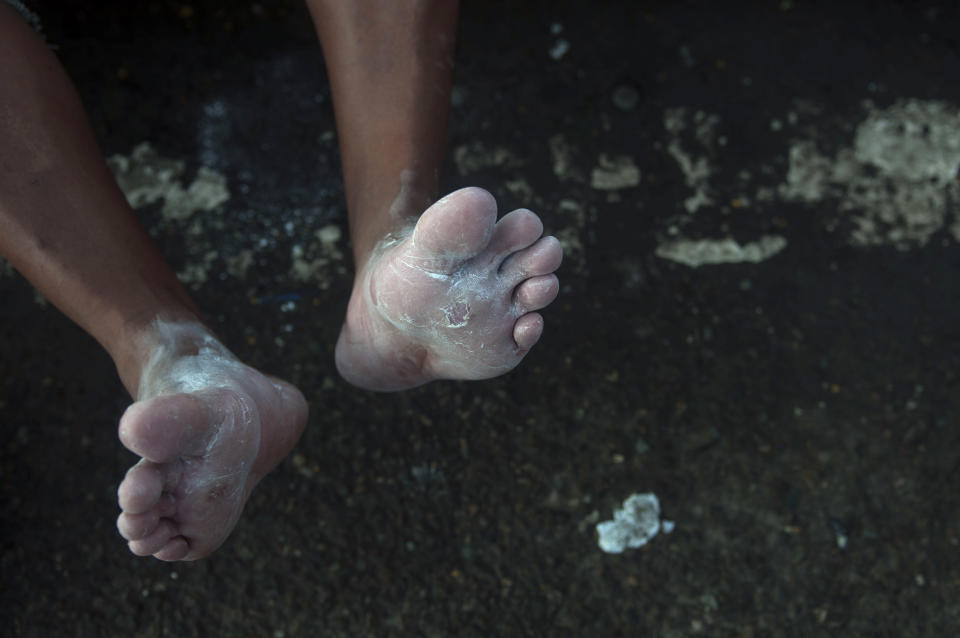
{"points": [[453, 297], [208, 428]]}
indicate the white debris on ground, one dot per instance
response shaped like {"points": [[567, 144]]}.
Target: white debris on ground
{"points": [[145, 177], [896, 180], [614, 173], [476, 156], [559, 49], [561, 45], [633, 525], [699, 252], [320, 260], [696, 169]]}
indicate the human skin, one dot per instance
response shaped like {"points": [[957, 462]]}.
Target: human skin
{"points": [[451, 293], [390, 66]]}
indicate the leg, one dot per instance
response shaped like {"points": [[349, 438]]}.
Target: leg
{"points": [[208, 427], [452, 294]]}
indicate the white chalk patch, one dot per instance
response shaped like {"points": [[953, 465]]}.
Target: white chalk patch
{"points": [[895, 181], [520, 188], [329, 235], [614, 173], [146, 177], [696, 169], [633, 525], [696, 173], [702, 252], [913, 140], [206, 192], [208, 363], [474, 157], [808, 175], [321, 260]]}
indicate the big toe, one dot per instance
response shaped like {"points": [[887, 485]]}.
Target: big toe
{"points": [[160, 429], [454, 229]]}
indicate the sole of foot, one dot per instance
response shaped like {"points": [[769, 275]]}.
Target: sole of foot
{"points": [[454, 297], [208, 428]]}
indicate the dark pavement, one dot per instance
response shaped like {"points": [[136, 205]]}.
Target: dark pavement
{"points": [[796, 412]]}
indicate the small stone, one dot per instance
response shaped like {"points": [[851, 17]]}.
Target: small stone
{"points": [[625, 97], [559, 49], [632, 526]]}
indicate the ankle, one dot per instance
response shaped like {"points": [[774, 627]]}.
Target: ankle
{"points": [[380, 209], [145, 349]]}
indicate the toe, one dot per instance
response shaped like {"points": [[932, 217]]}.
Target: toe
{"points": [[527, 330], [515, 231], [454, 229], [141, 488], [542, 258], [134, 527], [156, 540], [536, 293], [159, 429], [175, 549]]}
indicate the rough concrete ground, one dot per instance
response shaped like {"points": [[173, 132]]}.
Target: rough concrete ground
{"points": [[796, 413]]}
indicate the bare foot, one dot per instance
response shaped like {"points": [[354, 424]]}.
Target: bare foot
{"points": [[208, 428], [452, 298]]}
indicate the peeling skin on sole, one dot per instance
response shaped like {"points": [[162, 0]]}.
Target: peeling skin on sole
{"points": [[457, 314]]}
